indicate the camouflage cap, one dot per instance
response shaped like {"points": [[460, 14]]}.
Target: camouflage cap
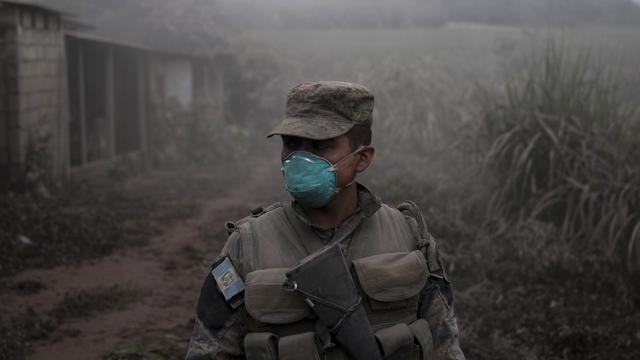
{"points": [[325, 109]]}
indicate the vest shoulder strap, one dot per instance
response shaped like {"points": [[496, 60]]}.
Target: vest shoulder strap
{"points": [[424, 240], [231, 226]]}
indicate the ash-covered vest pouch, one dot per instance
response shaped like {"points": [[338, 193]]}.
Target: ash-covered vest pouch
{"points": [[392, 283], [261, 346], [268, 302], [394, 339], [299, 346]]}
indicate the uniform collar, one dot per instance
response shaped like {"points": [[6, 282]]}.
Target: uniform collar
{"points": [[368, 204]]}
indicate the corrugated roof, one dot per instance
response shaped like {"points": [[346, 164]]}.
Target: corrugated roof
{"points": [[69, 18], [73, 25], [38, 6], [109, 41], [98, 38]]}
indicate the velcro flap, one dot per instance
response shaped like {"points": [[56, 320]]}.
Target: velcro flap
{"points": [[267, 301], [394, 338], [261, 346], [299, 346], [392, 277]]}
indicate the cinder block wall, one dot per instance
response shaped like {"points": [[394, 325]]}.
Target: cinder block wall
{"points": [[9, 159], [32, 96], [41, 95]]}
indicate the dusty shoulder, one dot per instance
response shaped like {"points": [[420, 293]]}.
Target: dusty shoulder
{"points": [[399, 212], [261, 212], [240, 231], [244, 234]]}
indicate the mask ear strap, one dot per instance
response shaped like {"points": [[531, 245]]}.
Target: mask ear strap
{"points": [[338, 189], [334, 167]]}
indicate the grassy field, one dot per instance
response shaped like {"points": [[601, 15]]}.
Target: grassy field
{"points": [[532, 280]]}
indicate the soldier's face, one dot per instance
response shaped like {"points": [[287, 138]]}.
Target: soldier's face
{"points": [[333, 150]]}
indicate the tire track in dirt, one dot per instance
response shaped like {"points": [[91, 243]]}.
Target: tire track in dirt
{"points": [[168, 271]]}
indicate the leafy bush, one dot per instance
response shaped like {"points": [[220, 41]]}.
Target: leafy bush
{"points": [[562, 148], [195, 135]]}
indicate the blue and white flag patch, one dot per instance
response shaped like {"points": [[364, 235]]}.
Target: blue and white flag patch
{"points": [[227, 278]]}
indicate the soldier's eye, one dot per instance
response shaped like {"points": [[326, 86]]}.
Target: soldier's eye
{"points": [[291, 142], [322, 145]]}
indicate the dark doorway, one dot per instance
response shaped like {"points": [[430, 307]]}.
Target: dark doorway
{"points": [[127, 99], [87, 84], [94, 57]]}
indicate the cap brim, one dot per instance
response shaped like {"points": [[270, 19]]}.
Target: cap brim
{"points": [[315, 129]]}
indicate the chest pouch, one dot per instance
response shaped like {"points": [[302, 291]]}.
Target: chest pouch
{"points": [[268, 302], [392, 283]]}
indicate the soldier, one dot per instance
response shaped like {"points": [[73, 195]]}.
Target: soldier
{"points": [[244, 311]]}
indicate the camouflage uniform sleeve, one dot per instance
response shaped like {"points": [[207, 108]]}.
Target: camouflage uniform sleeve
{"points": [[436, 299], [436, 306], [219, 331], [207, 343]]}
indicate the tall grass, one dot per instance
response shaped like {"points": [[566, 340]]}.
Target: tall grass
{"points": [[563, 148]]}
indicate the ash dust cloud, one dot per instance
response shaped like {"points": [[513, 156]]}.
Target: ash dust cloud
{"points": [[131, 131]]}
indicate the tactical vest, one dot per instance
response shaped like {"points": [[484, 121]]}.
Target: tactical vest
{"points": [[388, 266]]}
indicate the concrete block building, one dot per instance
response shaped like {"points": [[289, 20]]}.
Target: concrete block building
{"points": [[73, 103]]}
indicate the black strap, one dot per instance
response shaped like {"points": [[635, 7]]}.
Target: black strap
{"points": [[425, 241]]}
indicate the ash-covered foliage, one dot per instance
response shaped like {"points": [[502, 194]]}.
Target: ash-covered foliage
{"points": [[543, 242], [37, 230], [562, 148], [90, 219]]}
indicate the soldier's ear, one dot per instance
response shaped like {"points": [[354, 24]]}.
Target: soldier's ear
{"points": [[365, 158]]}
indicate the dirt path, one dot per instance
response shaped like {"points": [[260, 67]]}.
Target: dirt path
{"points": [[167, 274]]}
